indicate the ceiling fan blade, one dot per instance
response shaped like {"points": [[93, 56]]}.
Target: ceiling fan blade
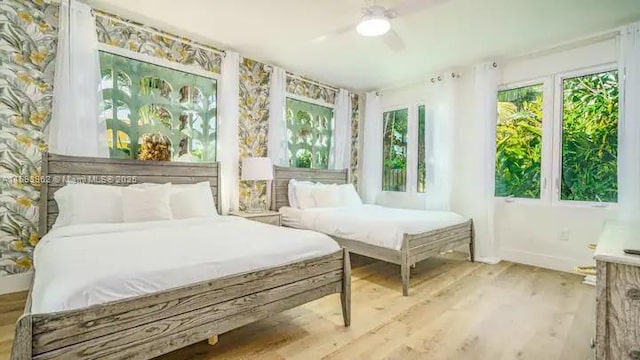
{"points": [[393, 41], [334, 33], [412, 6]]}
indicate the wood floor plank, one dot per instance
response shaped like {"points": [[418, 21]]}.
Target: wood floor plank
{"points": [[456, 310]]}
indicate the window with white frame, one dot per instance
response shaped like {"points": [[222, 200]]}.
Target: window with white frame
{"points": [[394, 150], [310, 133], [422, 150], [519, 142], [589, 148], [144, 101], [581, 135]]}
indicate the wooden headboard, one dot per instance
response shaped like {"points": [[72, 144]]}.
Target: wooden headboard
{"points": [[282, 175], [58, 170]]}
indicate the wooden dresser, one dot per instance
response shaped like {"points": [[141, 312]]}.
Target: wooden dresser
{"points": [[618, 294]]}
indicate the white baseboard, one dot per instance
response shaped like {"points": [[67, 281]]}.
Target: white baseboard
{"points": [[488, 260], [15, 283], [540, 260]]}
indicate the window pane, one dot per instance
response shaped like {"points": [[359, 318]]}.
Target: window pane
{"points": [[422, 165], [394, 173], [590, 138], [519, 142], [141, 98], [309, 131]]}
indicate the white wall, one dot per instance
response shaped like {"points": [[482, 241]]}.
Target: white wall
{"points": [[525, 232]]}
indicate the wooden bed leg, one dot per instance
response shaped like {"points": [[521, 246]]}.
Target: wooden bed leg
{"points": [[472, 244], [213, 340], [405, 266], [345, 296], [22, 343]]}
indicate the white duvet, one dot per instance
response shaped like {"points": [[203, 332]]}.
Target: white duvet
{"points": [[373, 224], [83, 265]]}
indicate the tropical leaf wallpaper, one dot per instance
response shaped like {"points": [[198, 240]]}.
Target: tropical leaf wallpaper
{"points": [[355, 144], [254, 119], [27, 50], [28, 36], [300, 87], [116, 31]]}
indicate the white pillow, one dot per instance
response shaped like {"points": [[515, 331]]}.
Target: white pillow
{"points": [[188, 200], [146, 204], [304, 197], [326, 196], [88, 204], [348, 195], [293, 202], [192, 200]]}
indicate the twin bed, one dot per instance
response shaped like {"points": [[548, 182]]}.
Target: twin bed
{"points": [[139, 290], [398, 236]]}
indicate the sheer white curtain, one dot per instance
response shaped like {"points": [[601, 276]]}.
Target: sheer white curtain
{"points": [[75, 127], [372, 149], [439, 143], [228, 146], [341, 146], [629, 126], [485, 99], [277, 142]]}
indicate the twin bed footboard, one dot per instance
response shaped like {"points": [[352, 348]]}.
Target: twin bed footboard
{"points": [[151, 325], [418, 247]]}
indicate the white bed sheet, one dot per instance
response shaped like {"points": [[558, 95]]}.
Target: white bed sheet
{"points": [[372, 224], [83, 265]]}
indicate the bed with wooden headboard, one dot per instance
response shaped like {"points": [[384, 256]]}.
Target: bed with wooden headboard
{"points": [[415, 247], [147, 326]]}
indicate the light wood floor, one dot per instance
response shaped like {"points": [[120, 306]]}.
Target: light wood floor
{"points": [[456, 310]]}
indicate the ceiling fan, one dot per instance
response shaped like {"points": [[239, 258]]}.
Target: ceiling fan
{"points": [[375, 21]]}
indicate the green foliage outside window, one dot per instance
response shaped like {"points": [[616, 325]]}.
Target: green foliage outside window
{"points": [[309, 130], [140, 97], [519, 142], [422, 161], [590, 138], [394, 150]]}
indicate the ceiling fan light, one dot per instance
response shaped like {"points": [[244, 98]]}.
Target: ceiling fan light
{"points": [[373, 26]]}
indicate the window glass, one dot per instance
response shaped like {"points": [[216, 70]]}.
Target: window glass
{"points": [[394, 162], [309, 131], [519, 142], [590, 138], [152, 102], [422, 165]]}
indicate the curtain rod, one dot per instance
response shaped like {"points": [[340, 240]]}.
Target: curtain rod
{"points": [[152, 30], [326, 86]]}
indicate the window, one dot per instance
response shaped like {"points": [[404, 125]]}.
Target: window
{"points": [[422, 152], [590, 137], [142, 98], [394, 150], [309, 130], [519, 142]]}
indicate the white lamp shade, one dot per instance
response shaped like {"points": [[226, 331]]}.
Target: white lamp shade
{"points": [[257, 168]]}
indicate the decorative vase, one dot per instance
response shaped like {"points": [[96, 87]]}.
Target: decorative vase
{"points": [[154, 146]]}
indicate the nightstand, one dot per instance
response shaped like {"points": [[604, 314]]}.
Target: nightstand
{"points": [[267, 217]]}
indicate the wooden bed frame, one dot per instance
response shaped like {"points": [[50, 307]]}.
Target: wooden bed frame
{"points": [[148, 326], [415, 247]]}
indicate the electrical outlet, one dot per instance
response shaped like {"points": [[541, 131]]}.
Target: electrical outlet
{"points": [[564, 234]]}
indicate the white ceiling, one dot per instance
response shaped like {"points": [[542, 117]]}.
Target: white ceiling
{"points": [[449, 34]]}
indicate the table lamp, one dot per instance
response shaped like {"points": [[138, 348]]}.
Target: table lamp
{"points": [[256, 169]]}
